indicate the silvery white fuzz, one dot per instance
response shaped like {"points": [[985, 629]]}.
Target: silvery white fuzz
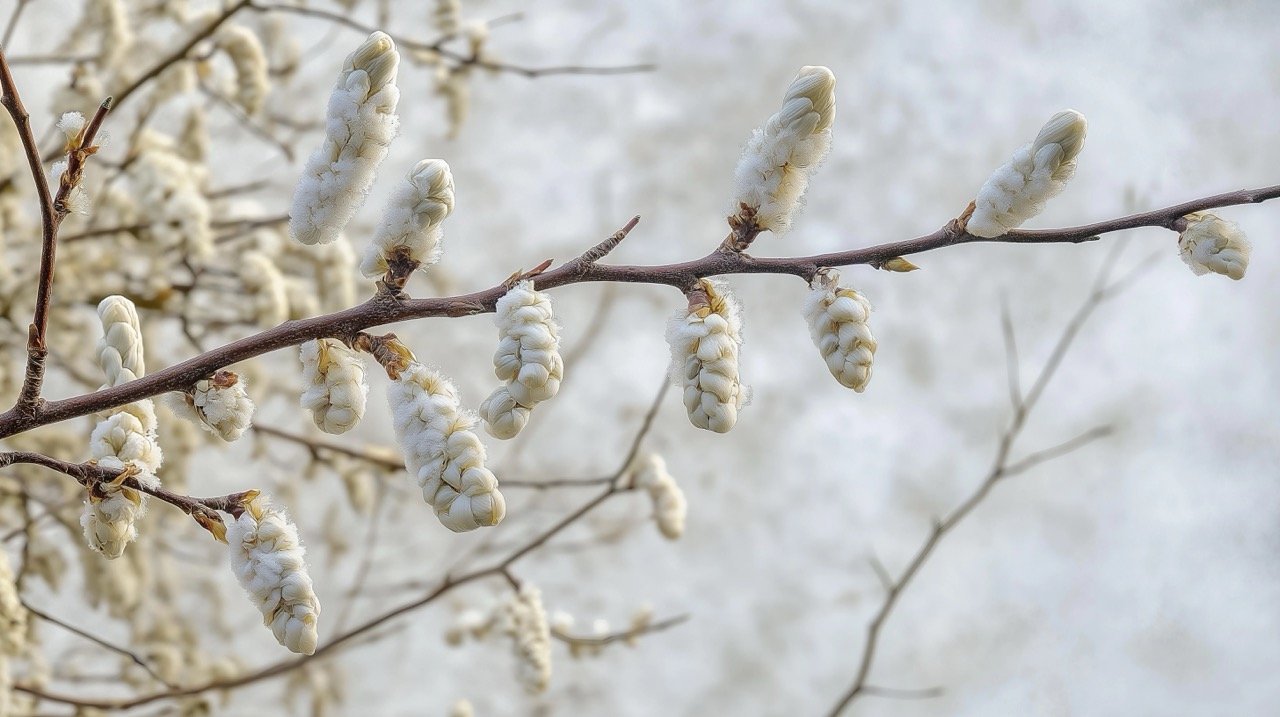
{"points": [[1210, 243], [837, 319], [268, 559], [1037, 172], [669, 507], [442, 451], [410, 227], [705, 341], [774, 169], [335, 389], [525, 621], [528, 359], [361, 123]]}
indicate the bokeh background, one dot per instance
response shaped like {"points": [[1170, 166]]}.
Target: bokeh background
{"points": [[1136, 576]]}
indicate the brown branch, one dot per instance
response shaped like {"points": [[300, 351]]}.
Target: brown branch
{"points": [[1001, 468], [623, 636], [134, 658], [383, 309]]}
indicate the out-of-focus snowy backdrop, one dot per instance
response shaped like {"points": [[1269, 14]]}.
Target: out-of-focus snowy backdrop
{"points": [[1137, 576]]}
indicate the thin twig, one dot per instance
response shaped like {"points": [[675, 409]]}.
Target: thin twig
{"points": [[99, 642]]}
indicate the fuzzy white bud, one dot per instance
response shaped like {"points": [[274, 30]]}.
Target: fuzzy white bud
{"points": [[268, 559], [704, 341], [410, 228], [250, 62], [361, 123], [527, 358], [525, 621], [773, 172], [669, 506], [1210, 243], [266, 290], [120, 351], [837, 319], [70, 124], [219, 404], [442, 451], [1035, 174], [335, 390]]}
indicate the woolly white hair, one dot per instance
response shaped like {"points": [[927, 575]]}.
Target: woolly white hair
{"points": [[1037, 172], [1210, 243], [360, 125], [774, 169], [269, 561], [704, 342], [336, 390], [411, 221], [442, 451], [837, 319], [528, 359]]}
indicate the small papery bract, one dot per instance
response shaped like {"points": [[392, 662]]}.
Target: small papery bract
{"points": [[268, 559], [705, 341], [336, 390], [218, 404], [410, 228], [1037, 172], [250, 62], [669, 506], [774, 169], [837, 319], [528, 359], [13, 616], [1210, 243], [360, 125], [442, 451], [525, 621]]}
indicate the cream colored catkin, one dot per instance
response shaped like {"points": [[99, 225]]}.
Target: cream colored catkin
{"points": [[1212, 244], [669, 506], [837, 318], [441, 450], [269, 561], [525, 621], [1036, 173], [244, 49], [705, 340], [774, 170], [410, 228], [528, 359], [335, 390]]}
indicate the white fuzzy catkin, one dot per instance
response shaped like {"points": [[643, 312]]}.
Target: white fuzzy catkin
{"points": [[250, 62], [525, 621], [120, 351], [774, 169], [265, 286], [704, 342], [462, 708], [268, 559], [528, 359], [169, 186], [1210, 243], [669, 506], [335, 390], [837, 318], [13, 616], [360, 125], [1035, 174], [442, 451], [410, 227], [222, 405]]}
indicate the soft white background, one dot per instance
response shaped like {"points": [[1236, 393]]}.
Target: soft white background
{"points": [[1137, 576]]}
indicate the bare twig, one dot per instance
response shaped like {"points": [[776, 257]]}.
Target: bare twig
{"points": [[134, 658], [623, 636]]}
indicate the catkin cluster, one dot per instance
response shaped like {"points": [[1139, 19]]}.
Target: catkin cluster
{"points": [[442, 451], [528, 359], [268, 559], [335, 390], [360, 125], [837, 318], [1212, 244], [774, 169], [410, 228], [1035, 174], [669, 507], [704, 342]]}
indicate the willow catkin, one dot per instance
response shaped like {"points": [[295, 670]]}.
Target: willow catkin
{"points": [[269, 561], [360, 125], [705, 340], [250, 63], [837, 318], [218, 404], [774, 170], [442, 451], [335, 388], [669, 506], [1212, 244], [527, 358], [525, 621], [1035, 174], [410, 227], [13, 616]]}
